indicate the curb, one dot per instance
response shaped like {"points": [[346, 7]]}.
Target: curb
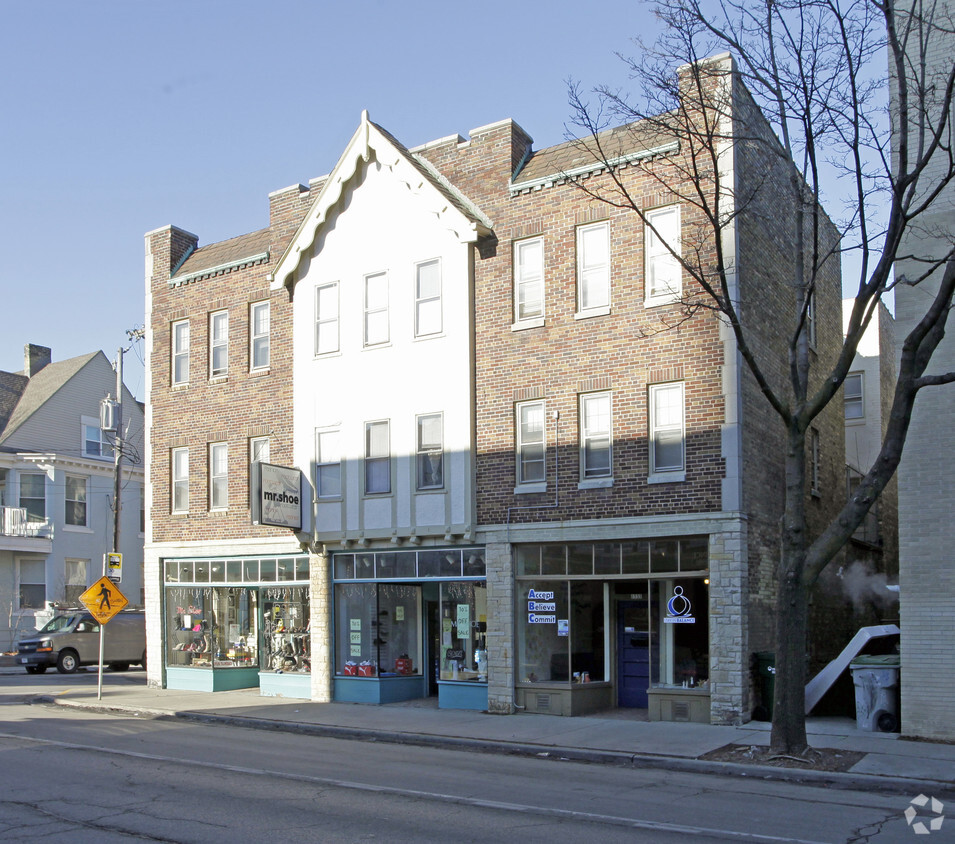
{"points": [[830, 779]]}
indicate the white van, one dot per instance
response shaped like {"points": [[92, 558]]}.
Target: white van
{"points": [[71, 640]]}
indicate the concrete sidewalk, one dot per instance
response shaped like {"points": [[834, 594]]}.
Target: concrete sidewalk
{"points": [[890, 762]]}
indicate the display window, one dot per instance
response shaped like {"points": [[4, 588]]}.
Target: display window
{"points": [[212, 627], [463, 632], [285, 629], [680, 630], [378, 629]]}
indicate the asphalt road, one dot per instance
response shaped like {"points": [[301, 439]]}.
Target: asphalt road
{"points": [[68, 775]]}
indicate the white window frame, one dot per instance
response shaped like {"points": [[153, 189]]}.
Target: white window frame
{"points": [[593, 271], [179, 474], [76, 585], [260, 341], [327, 328], [527, 448], [854, 398], [219, 476], [429, 455], [69, 502], [592, 434], [328, 463], [104, 448], [428, 316], [659, 259], [31, 563], [21, 498], [179, 358], [259, 449], [528, 278], [668, 428], [377, 457], [218, 344], [375, 316]]}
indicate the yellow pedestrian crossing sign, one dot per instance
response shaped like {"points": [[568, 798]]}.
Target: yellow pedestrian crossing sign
{"points": [[103, 599]]}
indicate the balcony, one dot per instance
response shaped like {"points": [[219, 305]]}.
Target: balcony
{"points": [[18, 533]]}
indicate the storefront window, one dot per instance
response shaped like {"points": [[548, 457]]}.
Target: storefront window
{"points": [[210, 627], [463, 632], [679, 620], [378, 628], [285, 623]]}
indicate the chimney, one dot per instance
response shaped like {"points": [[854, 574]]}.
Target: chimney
{"points": [[35, 358]]}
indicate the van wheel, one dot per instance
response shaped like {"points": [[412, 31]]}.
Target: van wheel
{"points": [[35, 669], [119, 666], [67, 662]]}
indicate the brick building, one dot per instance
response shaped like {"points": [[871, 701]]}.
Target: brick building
{"points": [[533, 481]]}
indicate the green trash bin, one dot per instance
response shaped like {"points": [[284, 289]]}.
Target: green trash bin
{"points": [[766, 682]]}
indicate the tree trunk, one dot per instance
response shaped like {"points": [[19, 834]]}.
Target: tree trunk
{"points": [[792, 605]]}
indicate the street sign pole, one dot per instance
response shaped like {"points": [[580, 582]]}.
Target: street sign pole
{"points": [[103, 600], [102, 650]]}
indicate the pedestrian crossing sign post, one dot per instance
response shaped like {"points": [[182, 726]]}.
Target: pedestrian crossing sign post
{"points": [[103, 600]]}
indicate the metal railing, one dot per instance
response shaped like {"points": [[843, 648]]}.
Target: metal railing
{"points": [[15, 522]]}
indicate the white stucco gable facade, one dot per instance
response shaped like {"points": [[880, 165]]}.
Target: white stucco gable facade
{"points": [[381, 275]]}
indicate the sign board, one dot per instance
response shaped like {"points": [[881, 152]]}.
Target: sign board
{"points": [[103, 599], [114, 567], [277, 498]]}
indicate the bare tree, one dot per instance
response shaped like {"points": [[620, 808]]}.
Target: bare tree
{"points": [[819, 73]]}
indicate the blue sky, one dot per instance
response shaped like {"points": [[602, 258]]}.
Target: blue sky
{"points": [[120, 117]]}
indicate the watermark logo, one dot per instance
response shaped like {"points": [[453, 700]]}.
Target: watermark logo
{"points": [[918, 824]]}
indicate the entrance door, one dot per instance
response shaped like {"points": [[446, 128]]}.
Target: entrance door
{"points": [[433, 655], [633, 654]]}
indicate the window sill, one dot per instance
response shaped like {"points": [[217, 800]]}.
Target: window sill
{"points": [[592, 312], [430, 490], [257, 373], [596, 483], [656, 301], [524, 489], [437, 335], [370, 347], [326, 499], [667, 478], [183, 386], [77, 529], [218, 379], [334, 353], [856, 420], [524, 324]]}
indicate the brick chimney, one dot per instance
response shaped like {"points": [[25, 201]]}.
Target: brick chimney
{"points": [[35, 358]]}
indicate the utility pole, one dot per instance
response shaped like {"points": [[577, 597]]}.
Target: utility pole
{"points": [[118, 451]]}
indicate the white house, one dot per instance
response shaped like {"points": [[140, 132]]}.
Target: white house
{"points": [[57, 487]]}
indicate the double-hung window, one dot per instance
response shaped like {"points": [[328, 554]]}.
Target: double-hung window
{"points": [[596, 459], [218, 476], [529, 282], [328, 464], [95, 442], [667, 451], [32, 583], [593, 269], [326, 318], [377, 458], [76, 501], [430, 451], [663, 271], [259, 319], [427, 298], [531, 446], [853, 396], [75, 581], [180, 352], [218, 344], [376, 309], [180, 480], [33, 495]]}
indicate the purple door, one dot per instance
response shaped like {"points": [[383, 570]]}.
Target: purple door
{"points": [[633, 654]]}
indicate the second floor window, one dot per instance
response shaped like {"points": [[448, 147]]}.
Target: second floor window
{"points": [[595, 436], [75, 581], [259, 325], [326, 318], [427, 302], [531, 444], [33, 496], [328, 467], [529, 280], [376, 309], [377, 458], [430, 451], [852, 391], [76, 513], [218, 476], [218, 344], [593, 267], [180, 352], [180, 480], [667, 456]]}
